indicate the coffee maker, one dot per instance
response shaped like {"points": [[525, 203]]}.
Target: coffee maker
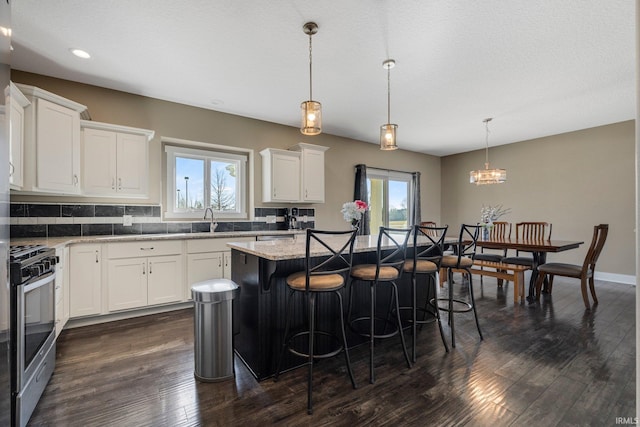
{"points": [[291, 219]]}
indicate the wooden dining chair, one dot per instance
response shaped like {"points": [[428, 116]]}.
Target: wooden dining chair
{"points": [[501, 230], [529, 231], [584, 272]]}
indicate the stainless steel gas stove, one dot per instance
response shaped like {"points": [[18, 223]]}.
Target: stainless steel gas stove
{"points": [[32, 340]]}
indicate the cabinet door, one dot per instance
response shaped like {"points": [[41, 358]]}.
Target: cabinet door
{"points": [[227, 264], [84, 280], [203, 266], [313, 176], [285, 178], [165, 279], [99, 162], [16, 137], [133, 167], [127, 279], [57, 148]]}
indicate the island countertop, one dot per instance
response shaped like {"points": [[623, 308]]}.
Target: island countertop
{"points": [[287, 249]]}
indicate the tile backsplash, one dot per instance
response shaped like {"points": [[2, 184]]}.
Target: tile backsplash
{"points": [[61, 220]]}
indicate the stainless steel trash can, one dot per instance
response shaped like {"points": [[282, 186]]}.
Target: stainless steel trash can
{"points": [[213, 329]]}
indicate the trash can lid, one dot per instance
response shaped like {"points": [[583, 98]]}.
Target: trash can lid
{"points": [[214, 290]]}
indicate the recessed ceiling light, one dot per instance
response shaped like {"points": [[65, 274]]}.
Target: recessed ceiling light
{"points": [[80, 53]]}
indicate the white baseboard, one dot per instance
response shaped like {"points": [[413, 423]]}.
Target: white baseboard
{"points": [[627, 279]]}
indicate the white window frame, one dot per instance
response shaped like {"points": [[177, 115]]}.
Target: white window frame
{"points": [[209, 152], [387, 175]]}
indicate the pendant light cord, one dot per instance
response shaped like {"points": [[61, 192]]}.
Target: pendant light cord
{"points": [[310, 70], [486, 124], [388, 95]]}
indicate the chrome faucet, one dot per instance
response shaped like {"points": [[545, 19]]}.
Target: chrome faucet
{"points": [[214, 223]]}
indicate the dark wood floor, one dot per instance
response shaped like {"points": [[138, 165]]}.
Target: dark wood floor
{"points": [[546, 365]]}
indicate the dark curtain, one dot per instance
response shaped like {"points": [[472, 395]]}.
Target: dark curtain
{"points": [[360, 193], [416, 214]]}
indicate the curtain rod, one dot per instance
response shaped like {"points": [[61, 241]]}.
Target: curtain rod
{"points": [[387, 170]]}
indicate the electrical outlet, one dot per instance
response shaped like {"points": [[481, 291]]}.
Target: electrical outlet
{"points": [[127, 220], [305, 218], [271, 219]]}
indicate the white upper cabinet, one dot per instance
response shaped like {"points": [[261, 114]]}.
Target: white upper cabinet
{"points": [[51, 143], [312, 172], [17, 102], [295, 175], [280, 175], [115, 160]]}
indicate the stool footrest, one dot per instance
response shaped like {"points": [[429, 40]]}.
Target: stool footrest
{"points": [[375, 335], [467, 307], [315, 356]]}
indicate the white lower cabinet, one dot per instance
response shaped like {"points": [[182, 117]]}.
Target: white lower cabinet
{"points": [[85, 280], [209, 259], [139, 281]]}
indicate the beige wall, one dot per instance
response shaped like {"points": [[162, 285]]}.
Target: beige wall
{"points": [[574, 181], [180, 121]]}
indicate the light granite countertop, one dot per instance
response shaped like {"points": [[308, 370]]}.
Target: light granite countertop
{"points": [[68, 240], [285, 249]]}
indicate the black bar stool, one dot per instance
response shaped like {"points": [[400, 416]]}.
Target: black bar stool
{"points": [[428, 249], [321, 274], [465, 250], [390, 258]]}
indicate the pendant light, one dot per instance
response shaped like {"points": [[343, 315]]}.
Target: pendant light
{"points": [[311, 110], [486, 175], [388, 130]]}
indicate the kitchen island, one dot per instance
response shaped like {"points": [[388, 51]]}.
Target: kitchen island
{"points": [[260, 269]]}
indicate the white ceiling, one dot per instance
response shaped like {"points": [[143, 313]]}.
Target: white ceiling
{"points": [[538, 67]]}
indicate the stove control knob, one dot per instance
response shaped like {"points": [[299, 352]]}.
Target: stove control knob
{"points": [[36, 270]]}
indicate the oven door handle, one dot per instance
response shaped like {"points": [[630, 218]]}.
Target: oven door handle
{"points": [[40, 282]]}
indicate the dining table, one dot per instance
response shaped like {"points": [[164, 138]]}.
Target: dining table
{"points": [[539, 248]]}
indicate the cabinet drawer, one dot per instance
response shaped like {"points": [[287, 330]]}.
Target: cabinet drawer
{"points": [[197, 246], [143, 248]]}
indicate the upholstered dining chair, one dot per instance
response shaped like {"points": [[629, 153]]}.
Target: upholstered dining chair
{"points": [[428, 249], [391, 252], [325, 274], [463, 260], [584, 272]]}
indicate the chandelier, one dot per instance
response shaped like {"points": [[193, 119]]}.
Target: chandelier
{"points": [[486, 175]]}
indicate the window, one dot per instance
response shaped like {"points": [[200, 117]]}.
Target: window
{"points": [[201, 178], [390, 198]]}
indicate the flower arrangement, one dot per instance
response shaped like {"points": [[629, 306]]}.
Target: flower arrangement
{"points": [[352, 211], [489, 214]]}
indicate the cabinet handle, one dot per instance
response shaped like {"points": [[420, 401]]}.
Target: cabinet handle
{"points": [[119, 183], [12, 170], [113, 183], [306, 193], [226, 262], [75, 180], [147, 249], [96, 257], [144, 270], [150, 264], [220, 262]]}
